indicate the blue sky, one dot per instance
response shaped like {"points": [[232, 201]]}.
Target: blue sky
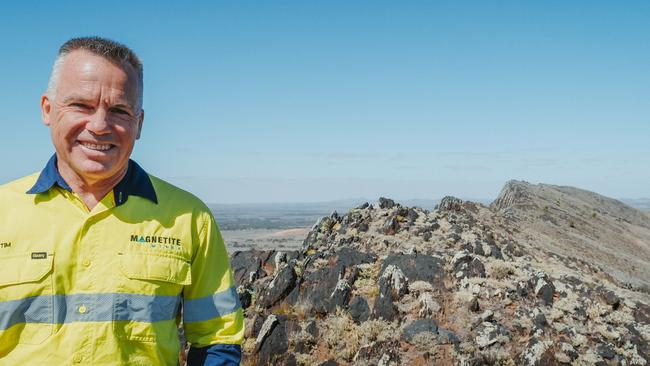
{"points": [[276, 101]]}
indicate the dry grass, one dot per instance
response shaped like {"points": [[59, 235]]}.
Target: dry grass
{"points": [[497, 357], [607, 332], [320, 263], [425, 342], [305, 359], [295, 312], [341, 335], [344, 337], [499, 270], [366, 284], [418, 287], [596, 310], [248, 346]]}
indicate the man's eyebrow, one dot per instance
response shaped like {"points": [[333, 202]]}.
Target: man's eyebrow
{"points": [[81, 98], [120, 105], [78, 98]]}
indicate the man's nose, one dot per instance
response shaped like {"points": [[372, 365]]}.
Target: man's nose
{"points": [[98, 122]]}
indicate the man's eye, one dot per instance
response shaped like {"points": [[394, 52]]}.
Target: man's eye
{"points": [[79, 106], [121, 111]]}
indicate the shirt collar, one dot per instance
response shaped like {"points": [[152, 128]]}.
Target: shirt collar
{"points": [[136, 182]]}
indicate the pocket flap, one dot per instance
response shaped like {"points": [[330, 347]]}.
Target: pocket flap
{"points": [[26, 267], [151, 266]]}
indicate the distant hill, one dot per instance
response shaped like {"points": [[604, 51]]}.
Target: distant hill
{"points": [[275, 215], [640, 203], [291, 215], [577, 223]]}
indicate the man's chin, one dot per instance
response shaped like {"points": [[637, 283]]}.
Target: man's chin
{"points": [[97, 171]]}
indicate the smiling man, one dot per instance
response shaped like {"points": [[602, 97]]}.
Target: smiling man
{"points": [[98, 256]]}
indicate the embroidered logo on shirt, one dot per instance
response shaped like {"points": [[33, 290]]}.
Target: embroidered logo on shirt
{"points": [[5, 245], [160, 242], [39, 255]]}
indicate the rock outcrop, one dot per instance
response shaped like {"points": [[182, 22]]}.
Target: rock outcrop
{"points": [[464, 284]]}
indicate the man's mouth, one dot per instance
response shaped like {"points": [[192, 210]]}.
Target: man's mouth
{"points": [[97, 147]]}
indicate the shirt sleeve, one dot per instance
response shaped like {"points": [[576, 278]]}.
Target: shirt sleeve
{"points": [[211, 311]]}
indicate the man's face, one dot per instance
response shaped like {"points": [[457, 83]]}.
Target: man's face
{"points": [[94, 117]]}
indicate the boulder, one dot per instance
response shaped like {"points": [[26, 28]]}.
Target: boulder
{"points": [[245, 296], [363, 227], [317, 288], [540, 321], [385, 303], [398, 282], [329, 363], [419, 326], [246, 266], [272, 343], [411, 216], [391, 226], [348, 257], [266, 329], [465, 265], [606, 351], [449, 203], [473, 305], [386, 203], [378, 353], [448, 337], [488, 333], [611, 299], [279, 288], [544, 290], [340, 296], [418, 267], [359, 309], [513, 250], [495, 252]]}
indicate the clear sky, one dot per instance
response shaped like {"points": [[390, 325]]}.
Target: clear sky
{"points": [[276, 101]]}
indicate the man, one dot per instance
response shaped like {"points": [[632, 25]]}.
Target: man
{"points": [[97, 256]]}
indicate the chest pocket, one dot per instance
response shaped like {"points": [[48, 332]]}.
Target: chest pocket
{"points": [[26, 298], [147, 305], [155, 267]]}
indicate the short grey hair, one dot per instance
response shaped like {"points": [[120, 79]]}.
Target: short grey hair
{"points": [[106, 48]]}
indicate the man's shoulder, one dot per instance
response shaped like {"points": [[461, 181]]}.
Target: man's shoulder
{"points": [[169, 194], [21, 185]]}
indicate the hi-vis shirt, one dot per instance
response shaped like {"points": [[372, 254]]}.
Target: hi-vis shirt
{"points": [[105, 287]]}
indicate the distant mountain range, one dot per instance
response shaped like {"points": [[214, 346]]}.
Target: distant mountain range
{"points": [[290, 215], [640, 203]]}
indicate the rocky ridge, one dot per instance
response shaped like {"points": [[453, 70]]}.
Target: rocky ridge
{"points": [[464, 284]]}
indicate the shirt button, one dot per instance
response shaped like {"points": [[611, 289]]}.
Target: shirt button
{"points": [[86, 262], [82, 310], [77, 358]]}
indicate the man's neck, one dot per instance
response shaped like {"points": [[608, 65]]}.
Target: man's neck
{"points": [[91, 191]]}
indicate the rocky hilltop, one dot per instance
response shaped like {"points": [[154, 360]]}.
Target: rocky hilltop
{"points": [[575, 223], [546, 275]]}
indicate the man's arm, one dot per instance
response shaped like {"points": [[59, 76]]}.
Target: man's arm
{"points": [[212, 316]]}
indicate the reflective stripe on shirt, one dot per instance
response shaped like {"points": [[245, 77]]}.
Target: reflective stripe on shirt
{"points": [[64, 309], [210, 307]]}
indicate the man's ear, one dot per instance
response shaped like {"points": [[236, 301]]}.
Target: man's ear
{"points": [[140, 123], [46, 108]]}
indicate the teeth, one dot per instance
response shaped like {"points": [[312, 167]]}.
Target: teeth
{"points": [[96, 147]]}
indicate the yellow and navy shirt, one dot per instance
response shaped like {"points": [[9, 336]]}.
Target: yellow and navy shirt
{"points": [[105, 286]]}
